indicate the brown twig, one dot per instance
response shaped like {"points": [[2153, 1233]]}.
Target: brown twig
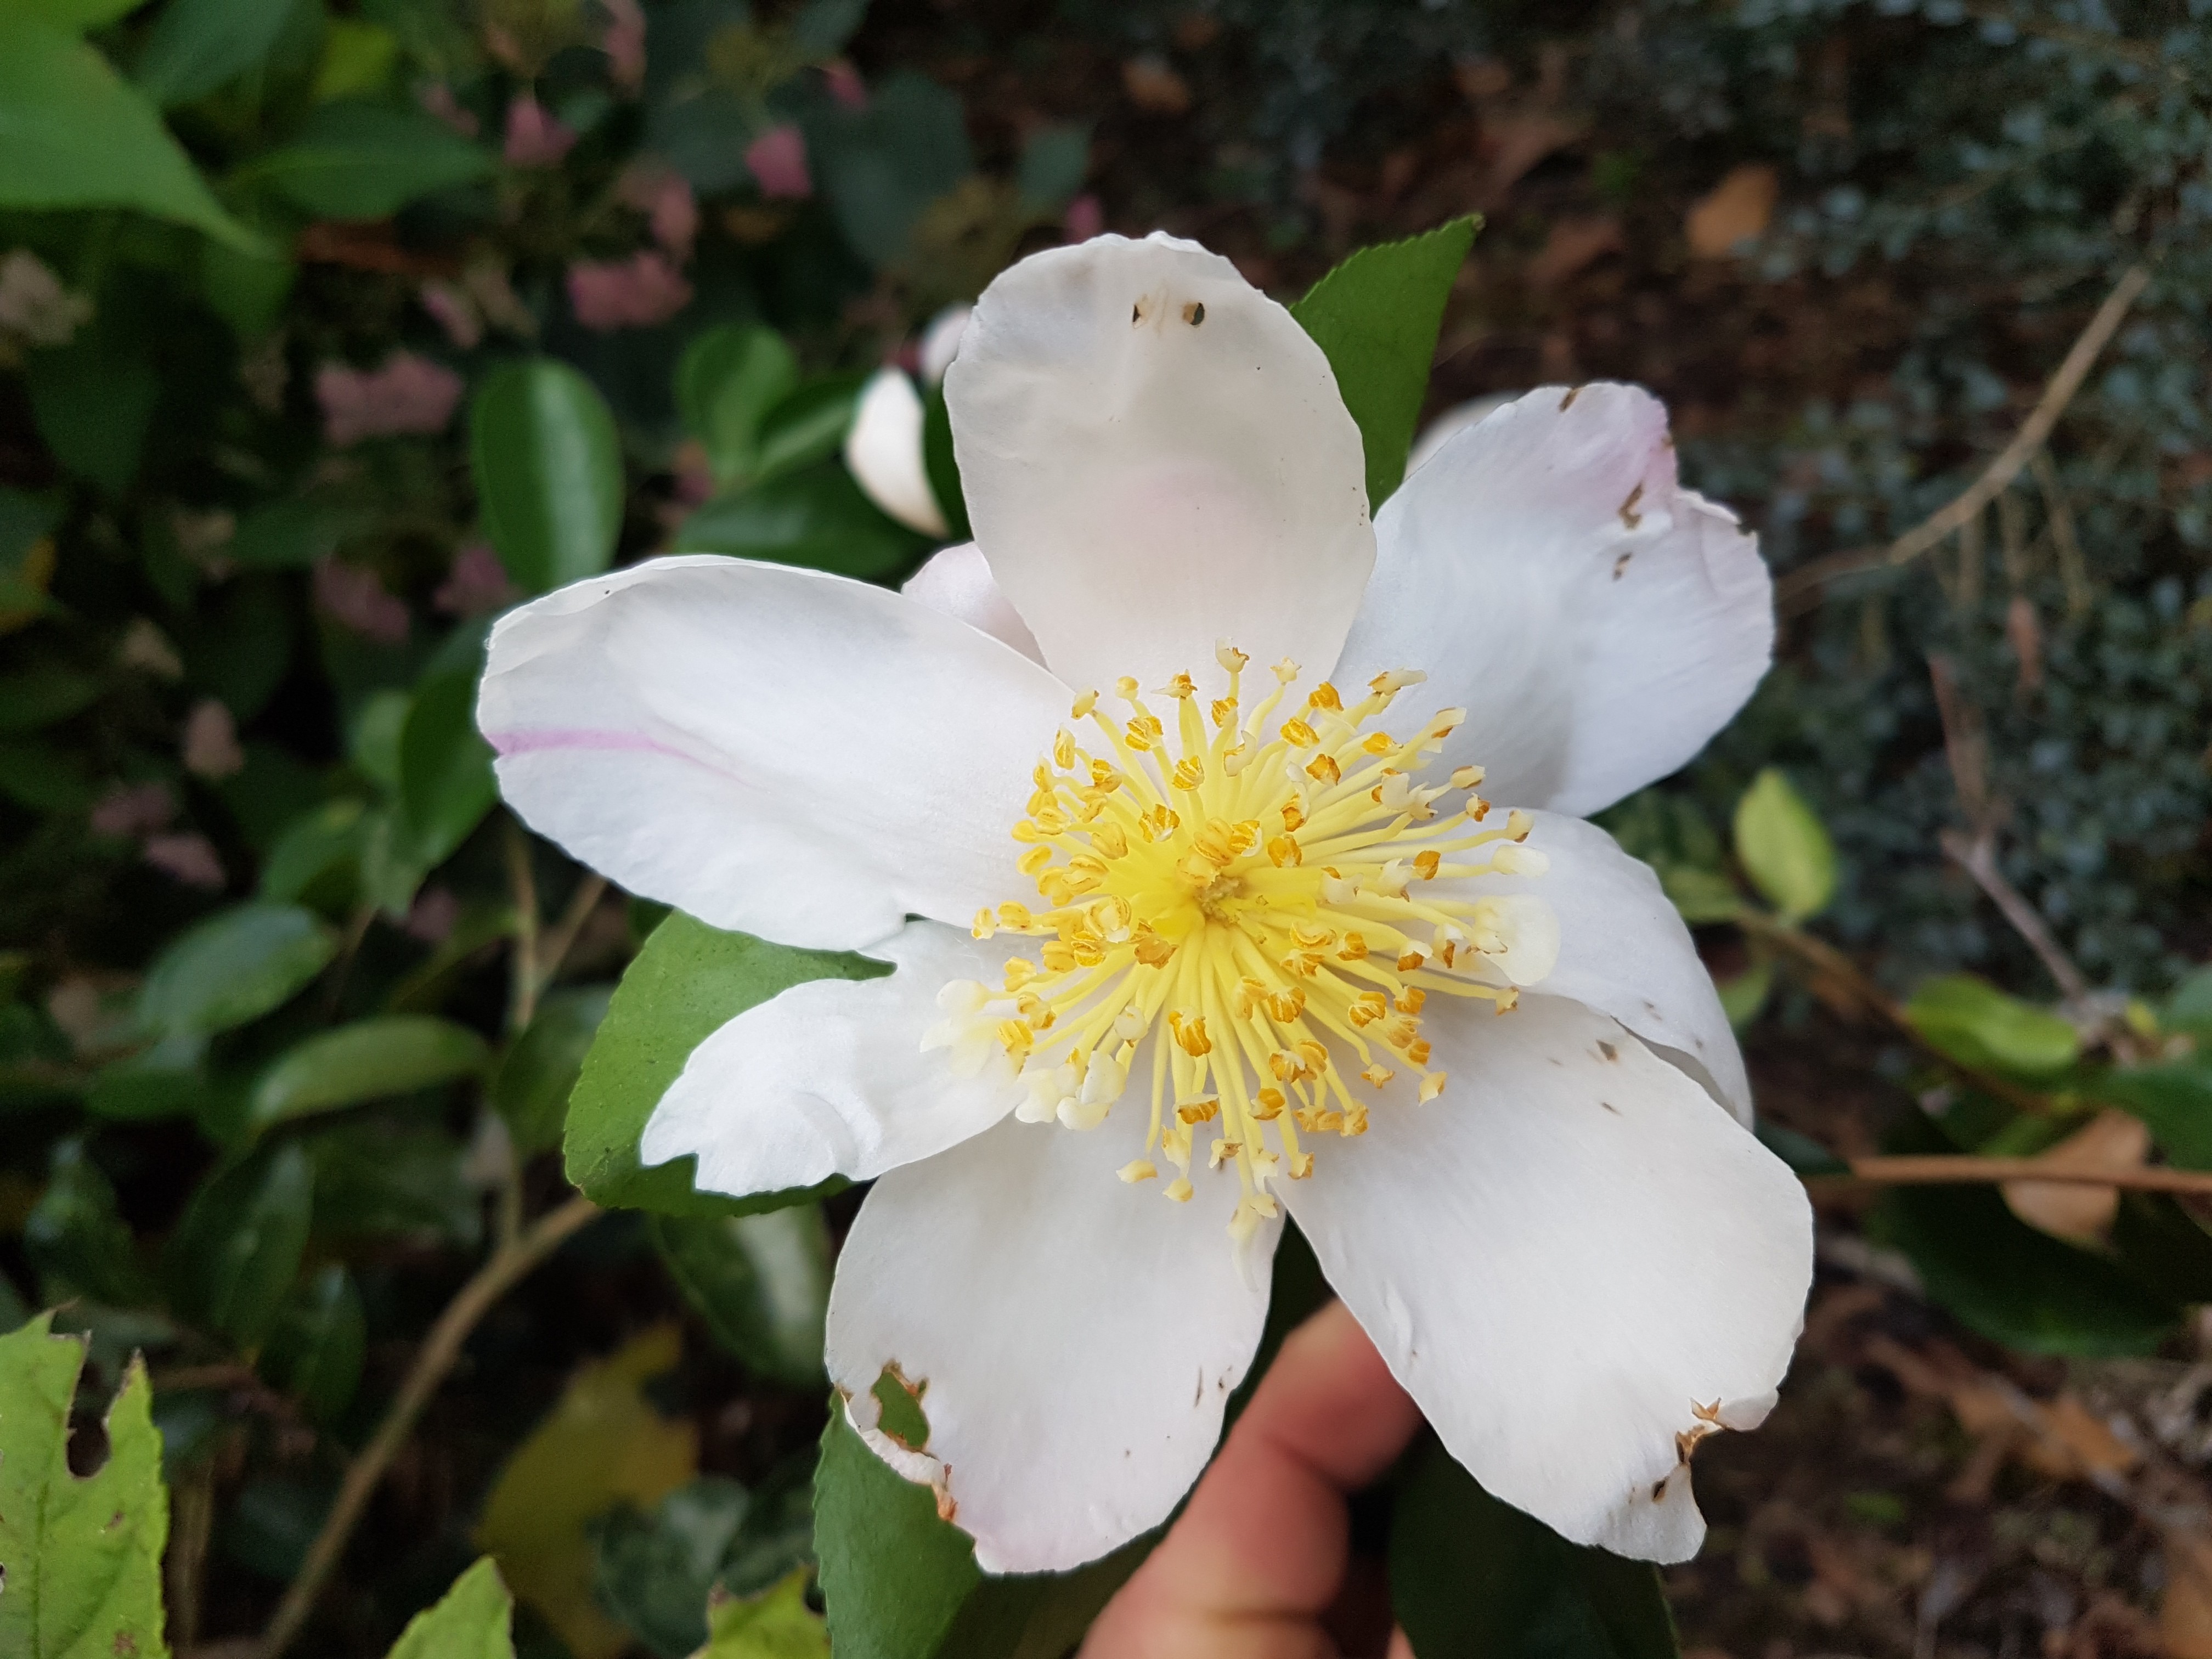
{"points": [[506, 1266], [1800, 588], [1977, 856], [553, 949], [1952, 1170], [522, 993]]}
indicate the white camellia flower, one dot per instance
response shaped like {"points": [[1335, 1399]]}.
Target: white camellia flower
{"points": [[1170, 802]]}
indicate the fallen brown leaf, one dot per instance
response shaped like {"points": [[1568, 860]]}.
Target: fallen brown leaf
{"points": [[1152, 84], [1573, 244], [2112, 1142], [1735, 210], [2185, 1616]]}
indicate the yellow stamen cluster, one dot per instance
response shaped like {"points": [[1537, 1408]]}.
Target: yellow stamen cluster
{"points": [[1268, 904]]}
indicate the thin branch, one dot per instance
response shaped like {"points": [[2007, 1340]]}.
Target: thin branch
{"points": [[553, 950], [522, 996], [505, 1269], [1946, 1170], [1799, 589], [1977, 856]]}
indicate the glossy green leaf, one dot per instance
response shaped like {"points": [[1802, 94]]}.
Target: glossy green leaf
{"points": [[235, 967], [404, 1182], [237, 1250], [942, 466], [532, 1087], [1473, 1578], [316, 857], [446, 782], [75, 135], [2013, 1283], [1784, 848], [729, 380], [197, 45], [2174, 1101], [760, 1282], [654, 1572], [80, 1556], [76, 1238], [1970, 1021], [548, 473], [316, 1343], [389, 1054], [357, 159], [474, 1620], [816, 517], [774, 1625], [687, 981], [808, 426], [1375, 317]]}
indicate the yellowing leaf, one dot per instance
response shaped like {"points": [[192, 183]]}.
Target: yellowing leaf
{"points": [[1784, 848], [81, 1556], [602, 1445], [1735, 212]]}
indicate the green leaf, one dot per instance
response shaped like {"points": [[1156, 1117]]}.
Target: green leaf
{"points": [[1784, 848], [76, 136], [731, 378], [387, 1182], [355, 160], [357, 59], [40, 697], [77, 15], [880, 167], [289, 535], [2174, 1101], [389, 1054], [1473, 1578], [197, 45], [777, 1624], [232, 968], [2163, 1247], [1743, 996], [687, 981], [237, 1250], [316, 1343], [761, 1282], [316, 857], [165, 1080], [1970, 1021], [940, 464], [1375, 317], [816, 517], [1054, 162], [2190, 1008], [532, 1087], [474, 1620], [1803, 1154], [548, 473], [446, 782], [2012, 1282], [655, 1572], [76, 1238], [808, 426], [93, 400], [80, 1557]]}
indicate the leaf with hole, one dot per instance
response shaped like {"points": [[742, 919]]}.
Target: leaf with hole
{"points": [[548, 473], [80, 1556], [1375, 317]]}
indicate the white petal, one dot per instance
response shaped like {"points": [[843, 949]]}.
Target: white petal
{"points": [[772, 750], [1155, 456], [1624, 950], [883, 450], [1450, 424], [828, 1077], [1564, 1260], [941, 341], [1599, 621], [957, 581], [1079, 1335]]}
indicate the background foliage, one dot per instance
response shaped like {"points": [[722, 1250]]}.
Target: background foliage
{"points": [[328, 328]]}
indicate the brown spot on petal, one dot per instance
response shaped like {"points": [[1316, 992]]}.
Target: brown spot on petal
{"points": [[1629, 515], [1194, 312], [1568, 402], [1621, 565]]}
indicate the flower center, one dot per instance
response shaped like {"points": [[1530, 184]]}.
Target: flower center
{"points": [[1267, 908]]}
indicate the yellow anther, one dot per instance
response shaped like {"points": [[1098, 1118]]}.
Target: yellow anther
{"points": [[1323, 769], [1034, 861], [1084, 702], [1426, 863], [1378, 742], [1137, 1169], [1200, 1111], [1108, 840], [1411, 1000], [1051, 821], [1299, 734], [1353, 1123], [1179, 1190], [1221, 1152], [1284, 1006], [1015, 1036], [1467, 777], [1409, 960], [1126, 688], [1355, 949], [985, 924], [1509, 998], [1230, 658], [1223, 711], [1189, 772], [1267, 1105], [1314, 938], [1432, 1084], [1367, 1008], [1178, 688], [1518, 825], [1014, 917], [1063, 749], [1324, 695], [1058, 958], [1283, 852], [1314, 1055], [1020, 970], [1377, 1075], [1285, 671], [1140, 732], [1026, 832], [1190, 1033], [1301, 1165], [1150, 949], [1294, 813], [1418, 1051]]}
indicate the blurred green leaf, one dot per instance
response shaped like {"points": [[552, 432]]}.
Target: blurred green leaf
{"points": [[1054, 158], [316, 857], [358, 160], [532, 1087], [687, 981], [942, 467], [1807, 1155], [1375, 317], [1701, 896], [1970, 1021], [80, 1555], [238, 1249], [821, 28], [760, 1282], [43, 777], [816, 517], [377, 1180], [2174, 1100], [1785, 848], [289, 535], [880, 167], [40, 697], [373, 735], [357, 59], [2008, 1280], [76, 1238], [197, 45], [2190, 1008], [2163, 1247], [13, 1309], [774, 1625], [730, 378], [76, 136], [247, 290], [166, 1079], [807, 426], [654, 1571], [235, 967], [446, 782], [1473, 1578], [78, 14], [272, 1522], [472, 1620], [1744, 995], [548, 473], [94, 397], [316, 1343], [368, 1059]]}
